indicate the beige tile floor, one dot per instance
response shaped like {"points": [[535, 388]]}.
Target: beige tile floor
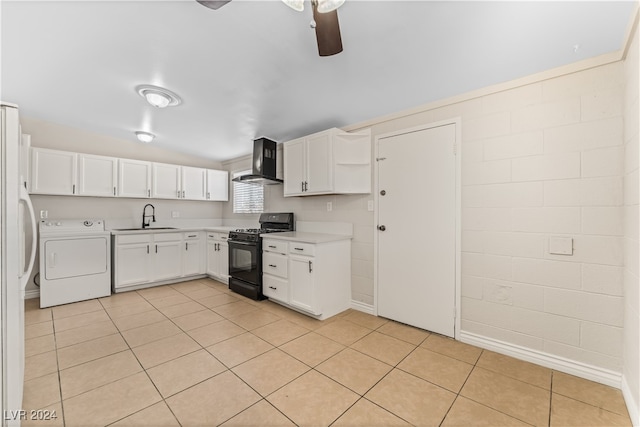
{"points": [[194, 354]]}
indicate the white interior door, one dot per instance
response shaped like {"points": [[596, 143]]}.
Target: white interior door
{"points": [[417, 228]]}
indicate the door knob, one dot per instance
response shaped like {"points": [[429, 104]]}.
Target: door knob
{"points": [[382, 193], [382, 227]]}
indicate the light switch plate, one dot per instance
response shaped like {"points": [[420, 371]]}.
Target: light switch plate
{"points": [[561, 245]]}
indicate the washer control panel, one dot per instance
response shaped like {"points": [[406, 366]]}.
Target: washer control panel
{"points": [[71, 225]]}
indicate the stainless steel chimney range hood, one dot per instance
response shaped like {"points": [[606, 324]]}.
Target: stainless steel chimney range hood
{"points": [[264, 164]]}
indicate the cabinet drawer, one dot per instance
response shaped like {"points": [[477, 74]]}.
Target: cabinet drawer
{"points": [[302, 248], [212, 235], [275, 288], [194, 235], [278, 246], [275, 264], [133, 238], [167, 237]]}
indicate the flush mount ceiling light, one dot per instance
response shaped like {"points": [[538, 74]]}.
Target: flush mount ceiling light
{"points": [[158, 96], [145, 137]]}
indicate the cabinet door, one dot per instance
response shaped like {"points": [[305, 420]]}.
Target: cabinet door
{"points": [[213, 258], [134, 178], [168, 260], [302, 284], [166, 181], [192, 257], [223, 259], [194, 183], [53, 172], [319, 163], [97, 175], [132, 264], [217, 185], [294, 167]]}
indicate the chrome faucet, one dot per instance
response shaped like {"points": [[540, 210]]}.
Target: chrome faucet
{"points": [[144, 215]]}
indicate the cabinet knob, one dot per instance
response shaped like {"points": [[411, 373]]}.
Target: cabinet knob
{"points": [[272, 265], [382, 228], [272, 287]]}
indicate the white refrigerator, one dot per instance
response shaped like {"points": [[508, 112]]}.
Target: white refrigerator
{"points": [[17, 235]]}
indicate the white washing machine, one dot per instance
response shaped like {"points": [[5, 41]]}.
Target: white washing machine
{"points": [[75, 261]]}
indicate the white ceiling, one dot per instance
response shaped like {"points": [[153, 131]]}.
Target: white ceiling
{"points": [[251, 68]]}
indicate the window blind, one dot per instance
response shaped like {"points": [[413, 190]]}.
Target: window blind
{"points": [[247, 198]]}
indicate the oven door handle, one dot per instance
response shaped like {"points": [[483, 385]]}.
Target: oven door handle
{"points": [[233, 242]]}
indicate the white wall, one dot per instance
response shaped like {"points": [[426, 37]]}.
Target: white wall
{"points": [[540, 160], [631, 353], [50, 135]]}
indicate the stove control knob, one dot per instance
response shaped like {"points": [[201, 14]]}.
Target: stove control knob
{"points": [[49, 224], [58, 224]]}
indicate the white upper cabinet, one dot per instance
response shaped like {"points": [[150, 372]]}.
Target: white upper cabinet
{"points": [[97, 175], [217, 185], [294, 167], [166, 181], [53, 172], [67, 173], [328, 162], [319, 163], [134, 178], [194, 183]]}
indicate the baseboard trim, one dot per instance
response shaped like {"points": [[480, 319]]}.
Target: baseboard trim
{"points": [[632, 405], [360, 306], [579, 369], [33, 293]]}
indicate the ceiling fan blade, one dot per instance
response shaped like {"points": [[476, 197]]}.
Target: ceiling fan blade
{"points": [[213, 4], [327, 32]]}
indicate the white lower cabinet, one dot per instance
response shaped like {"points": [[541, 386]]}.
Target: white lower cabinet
{"points": [[303, 289], [132, 263], [167, 258], [275, 270], [144, 259], [218, 256], [313, 278], [192, 256]]}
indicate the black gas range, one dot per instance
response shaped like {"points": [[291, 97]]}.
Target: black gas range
{"points": [[245, 253]]}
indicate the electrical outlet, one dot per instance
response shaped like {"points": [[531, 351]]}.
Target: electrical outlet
{"points": [[44, 214], [329, 206], [175, 214], [370, 205]]}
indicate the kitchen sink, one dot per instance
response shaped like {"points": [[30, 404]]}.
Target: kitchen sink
{"points": [[146, 228]]}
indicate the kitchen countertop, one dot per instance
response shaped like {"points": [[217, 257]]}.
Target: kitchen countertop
{"points": [[306, 237], [219, 229]]}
